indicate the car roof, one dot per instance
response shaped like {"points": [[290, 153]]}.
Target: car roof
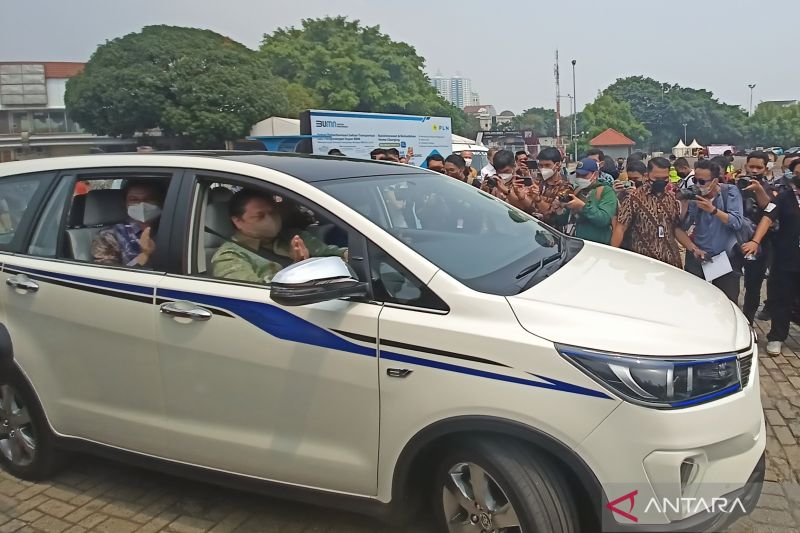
{"points": [[309, 168]]}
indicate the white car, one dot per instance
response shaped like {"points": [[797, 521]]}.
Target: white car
{"points": [[465, 356]]}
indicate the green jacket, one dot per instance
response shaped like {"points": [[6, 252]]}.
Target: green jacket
{"points": [[240, 263], [593, 223]]}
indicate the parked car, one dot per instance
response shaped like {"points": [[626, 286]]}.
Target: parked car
{"points": [[445, 348], [792, 150], [777, 150]]}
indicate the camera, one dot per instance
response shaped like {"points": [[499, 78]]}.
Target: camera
{"points": [[744, 182], [689, 193], [492, 182], [528, 181], [565, 198], [628, 184]]}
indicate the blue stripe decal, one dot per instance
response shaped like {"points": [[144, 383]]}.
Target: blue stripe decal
{"points": [[369, 116], [138, 289], [702, 399], [551, 384], [286, 326], [275, 321]]}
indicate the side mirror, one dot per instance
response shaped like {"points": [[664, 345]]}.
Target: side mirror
{"points": [[315, 280]]}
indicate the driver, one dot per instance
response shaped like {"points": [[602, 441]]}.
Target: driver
{"points": [[260, 249]]}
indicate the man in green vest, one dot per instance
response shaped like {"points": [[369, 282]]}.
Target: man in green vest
{"points": [[593, 206]]}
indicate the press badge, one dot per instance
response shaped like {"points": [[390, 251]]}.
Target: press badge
{"points": [[661, 232], [769, 208]]}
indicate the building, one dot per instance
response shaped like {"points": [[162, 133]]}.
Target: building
{"points": [[33, 118], [506, 117], [485, 114], [443, 86], [456, 90], [475, 99], [613, 144]]}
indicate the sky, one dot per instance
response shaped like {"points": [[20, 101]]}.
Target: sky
{"points": [[506, 48]]}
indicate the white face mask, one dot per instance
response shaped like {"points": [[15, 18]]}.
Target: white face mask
{"points": [[468, 161], [506, 176], [144, 212], [547, 173], [770, 165]]}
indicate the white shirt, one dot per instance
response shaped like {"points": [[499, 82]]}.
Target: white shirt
{"points": [[488, 171], [687, 182]]}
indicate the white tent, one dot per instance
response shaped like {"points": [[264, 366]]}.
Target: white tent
{"points": [[276, 127], [695, 145], [681, 150]]}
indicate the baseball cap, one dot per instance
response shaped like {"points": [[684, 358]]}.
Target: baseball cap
{"points": [[585, 166]]}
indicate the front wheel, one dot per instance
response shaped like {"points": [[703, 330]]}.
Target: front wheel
{"points": [[501, 486], [26, 442]]}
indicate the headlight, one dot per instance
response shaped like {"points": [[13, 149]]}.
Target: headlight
{"points": [[664, 383]]}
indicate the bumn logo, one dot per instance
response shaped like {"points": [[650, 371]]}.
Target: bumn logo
{"points": [[326, 123]]}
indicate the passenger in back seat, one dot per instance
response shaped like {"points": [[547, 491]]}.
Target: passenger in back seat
{"points": [[131, 243], [261, 246]]}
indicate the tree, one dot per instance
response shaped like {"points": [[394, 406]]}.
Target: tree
{"points": [[350, 67], [774, 125], [187, 82], [607, 112], [538, 119], [663, 109]]}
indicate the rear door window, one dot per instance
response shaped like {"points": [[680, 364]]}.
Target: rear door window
{"points": [[19, 197]]}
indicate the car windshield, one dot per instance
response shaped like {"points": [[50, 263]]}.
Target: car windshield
{"points": [[479, 240]]}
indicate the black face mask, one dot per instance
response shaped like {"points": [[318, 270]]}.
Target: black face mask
{"points": [[658, 186], [796, 181]]}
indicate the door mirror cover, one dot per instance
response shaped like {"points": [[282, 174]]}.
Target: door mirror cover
{"points": [[318, 279]]}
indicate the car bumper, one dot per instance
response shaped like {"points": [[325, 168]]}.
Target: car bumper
{"points": [[675, 470], [706, 520]]}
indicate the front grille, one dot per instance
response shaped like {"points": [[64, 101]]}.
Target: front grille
{"points": [[744, 368]]}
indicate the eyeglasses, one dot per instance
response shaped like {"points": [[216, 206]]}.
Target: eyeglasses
{"points": [[703, 182]]}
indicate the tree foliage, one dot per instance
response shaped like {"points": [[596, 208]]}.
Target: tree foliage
{"points": [[188, 82], [774, 125], [607, 112], [663, 109], [350, 67], [538, 119]]}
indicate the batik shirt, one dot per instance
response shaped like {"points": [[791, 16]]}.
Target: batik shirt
{"points": [[117, 244], [651, 220]]}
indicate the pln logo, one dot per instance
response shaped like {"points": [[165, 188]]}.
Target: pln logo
{"points": [[438, 127]]}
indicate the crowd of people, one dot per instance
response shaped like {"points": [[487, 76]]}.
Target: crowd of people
{"points": [[745, 223]]}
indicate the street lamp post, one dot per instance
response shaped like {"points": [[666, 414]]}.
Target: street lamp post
{"points": [[574, 111], [752, 86], [684, 133]]}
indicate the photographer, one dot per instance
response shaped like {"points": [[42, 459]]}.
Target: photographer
{"points": [[714, 227], [783, 277], [542, 196], [756, 195], [593, 206]]}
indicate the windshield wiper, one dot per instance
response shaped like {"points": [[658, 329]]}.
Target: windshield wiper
{"points": [[538, 266]]}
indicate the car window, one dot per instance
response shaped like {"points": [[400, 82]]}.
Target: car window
{"points": [[392, 283], [248, 234], [16, 194], [45, 238], [101, 219], [479, 240]]}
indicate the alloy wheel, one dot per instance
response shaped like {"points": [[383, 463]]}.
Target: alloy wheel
{"points": [[17, 439], [474, 502]]}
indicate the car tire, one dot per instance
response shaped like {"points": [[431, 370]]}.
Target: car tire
{"points": [[27, 445], [522, 491]]}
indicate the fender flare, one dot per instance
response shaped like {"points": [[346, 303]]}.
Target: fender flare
{"points": [[6, 348], [404, 468]]}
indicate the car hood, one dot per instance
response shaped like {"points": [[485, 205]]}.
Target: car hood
{"points": [[610, 299]]}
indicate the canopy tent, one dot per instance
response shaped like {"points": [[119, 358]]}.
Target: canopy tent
{"points": [[681, 150], [276, 126], [695, 147]]}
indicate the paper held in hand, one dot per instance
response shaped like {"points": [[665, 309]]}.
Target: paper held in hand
{"points": [[717, 267]]}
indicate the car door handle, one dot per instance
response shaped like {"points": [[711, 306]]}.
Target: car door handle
{"points": [[186, 310], [23, 283]]}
